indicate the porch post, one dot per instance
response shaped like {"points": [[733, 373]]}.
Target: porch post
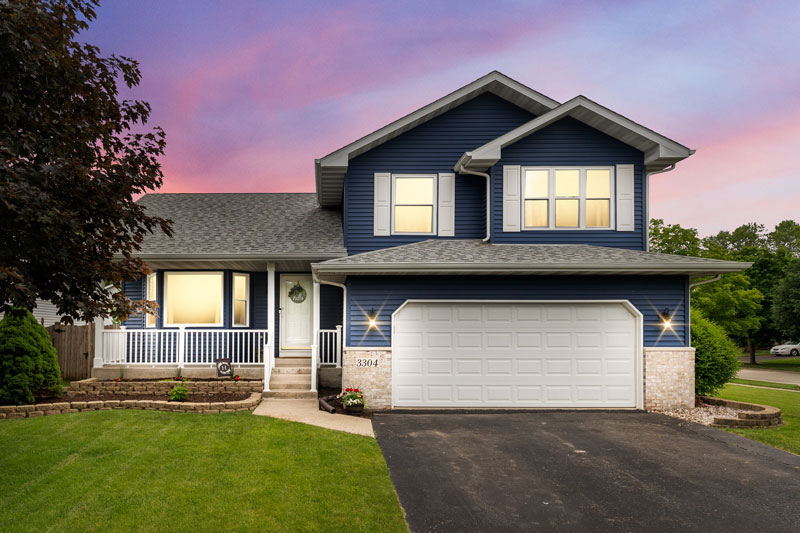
{"points": [[98, 343], [315, 340], [269, 357]]}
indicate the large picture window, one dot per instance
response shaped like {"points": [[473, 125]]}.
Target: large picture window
{"points": [[413, 204], [567, 198], [193, 298], [241, 300]]}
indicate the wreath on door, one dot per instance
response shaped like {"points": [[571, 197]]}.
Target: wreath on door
{"points": [[297, 294]]}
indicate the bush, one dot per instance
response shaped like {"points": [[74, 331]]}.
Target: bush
{"points": [[179, 393], [716, 355], [28, 360]]}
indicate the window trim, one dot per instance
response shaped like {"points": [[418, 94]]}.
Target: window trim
{"points": [[151, 276], [551, 198], [434, 205], [194, 273], [234, 299]]}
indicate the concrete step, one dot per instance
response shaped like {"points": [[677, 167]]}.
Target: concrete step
{"points": [[285, 370], [290, 378], [290, 395], [297, 362]]}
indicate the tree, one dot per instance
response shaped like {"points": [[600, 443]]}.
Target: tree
{"points": [[71, 165], [786, 302], [738, 244], [28, 360], [732, 304], [786, 236], [673, 239]]}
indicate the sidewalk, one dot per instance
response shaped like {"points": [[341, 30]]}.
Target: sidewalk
{"points": [[776, 376], [307, 412]]}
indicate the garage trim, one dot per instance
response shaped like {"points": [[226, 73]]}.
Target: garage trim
{"points": [[637, 315]]}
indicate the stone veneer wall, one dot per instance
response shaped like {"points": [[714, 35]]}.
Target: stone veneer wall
{"points": [[94, 386], [668, 378], [373, 375]]}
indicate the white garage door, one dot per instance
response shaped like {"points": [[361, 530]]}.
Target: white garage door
{"points": [[468, 354]]}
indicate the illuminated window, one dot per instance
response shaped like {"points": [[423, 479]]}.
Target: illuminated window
{"points": [[193, 298], [413, 203], [241, 299], [567, 198], [150, 294]]}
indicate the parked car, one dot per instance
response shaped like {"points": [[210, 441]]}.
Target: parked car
{"points": [[790, 348]]}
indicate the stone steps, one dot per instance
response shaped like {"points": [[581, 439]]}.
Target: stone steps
{"points": [[296, 362], [284, 370]]}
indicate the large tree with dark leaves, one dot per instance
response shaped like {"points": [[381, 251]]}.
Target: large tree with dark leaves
{"points": [[73, 156]]}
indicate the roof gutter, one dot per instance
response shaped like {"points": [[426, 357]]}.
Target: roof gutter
{"points": [[463, 170]]}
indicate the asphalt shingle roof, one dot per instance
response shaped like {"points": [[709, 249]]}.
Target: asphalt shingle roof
{"points": [[247, 224], [471, 254]]}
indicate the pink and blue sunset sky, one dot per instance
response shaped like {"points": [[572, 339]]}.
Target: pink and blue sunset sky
{"points": [[250, 93]]}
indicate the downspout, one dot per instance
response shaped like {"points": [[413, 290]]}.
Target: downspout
{"points": [[698, 283], [463, 170], [344, 300], [647, 203]]}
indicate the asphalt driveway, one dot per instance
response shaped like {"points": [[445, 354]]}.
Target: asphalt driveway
{"points": [[584, 471]]}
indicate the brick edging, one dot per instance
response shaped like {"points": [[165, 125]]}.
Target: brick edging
{"points": [[44, 409]]}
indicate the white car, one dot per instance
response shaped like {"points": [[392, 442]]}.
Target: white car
{"points": [[790, 348]]}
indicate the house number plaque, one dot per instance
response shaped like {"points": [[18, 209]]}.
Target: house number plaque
{"points": [[367, 363]]}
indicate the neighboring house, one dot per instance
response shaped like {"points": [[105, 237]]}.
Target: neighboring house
{"points": [[486, 250]]}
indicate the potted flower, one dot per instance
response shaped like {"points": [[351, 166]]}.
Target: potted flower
{"points": [[352, 400]]}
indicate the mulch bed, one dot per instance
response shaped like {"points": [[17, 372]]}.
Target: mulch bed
{"points": [[216, 397], [340, 410]]}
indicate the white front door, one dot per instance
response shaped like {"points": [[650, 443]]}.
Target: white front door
{"points": [[477, 354], [297, 306]]}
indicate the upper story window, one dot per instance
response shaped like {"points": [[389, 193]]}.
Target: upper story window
{"points": [[241, 300], [567, 198], [193, 298], [414, 204], [150, 294]]}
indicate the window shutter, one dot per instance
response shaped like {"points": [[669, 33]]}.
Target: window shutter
{"points": [[511, 198], [447, 205], [625, 204], [382, 204]]}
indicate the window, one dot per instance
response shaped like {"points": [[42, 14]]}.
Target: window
{"points": [[241, 300], [413, 204], [193, 298], [150, 294], [567, 198]]}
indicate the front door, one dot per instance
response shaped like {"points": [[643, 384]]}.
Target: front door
{"points": [[297, 306]]}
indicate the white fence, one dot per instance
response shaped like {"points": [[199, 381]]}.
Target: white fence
{"points": [[184, 346], [330, 346]]}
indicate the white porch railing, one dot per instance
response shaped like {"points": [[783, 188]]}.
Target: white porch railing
{"points": [[184, 346], [330, 346]]}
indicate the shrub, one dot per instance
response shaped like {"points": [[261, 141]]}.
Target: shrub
{"points": [[716, 355], [179, 393], [28, 360]]}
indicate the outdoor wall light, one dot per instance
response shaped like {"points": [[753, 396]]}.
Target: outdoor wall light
{"points": [[372, 320], [666, 319]]}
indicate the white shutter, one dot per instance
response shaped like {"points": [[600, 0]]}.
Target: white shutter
{"points": [[447, 205], [625, 203], [511, 197], [382, 204]]}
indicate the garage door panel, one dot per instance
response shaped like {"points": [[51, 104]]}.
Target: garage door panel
{"points": [[514, 355]]}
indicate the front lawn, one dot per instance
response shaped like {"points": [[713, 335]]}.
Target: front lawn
{"points": [[154, 471], [790, 363], [786, 437]]}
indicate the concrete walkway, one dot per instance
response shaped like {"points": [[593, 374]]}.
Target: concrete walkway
{"points": [[307, 412], [776, 376]]}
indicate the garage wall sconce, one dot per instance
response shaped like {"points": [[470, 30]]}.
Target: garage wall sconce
{"points": [[372, 320], [666, 319]]}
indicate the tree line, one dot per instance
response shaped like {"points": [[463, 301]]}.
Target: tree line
{"points": [[759, 306]]}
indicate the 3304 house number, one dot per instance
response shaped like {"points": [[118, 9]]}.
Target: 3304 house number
{"points": [[367, 363]]}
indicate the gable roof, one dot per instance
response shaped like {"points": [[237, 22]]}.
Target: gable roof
{"points": [[659, 151], [243, 225], [330, 170], [473, 256]]}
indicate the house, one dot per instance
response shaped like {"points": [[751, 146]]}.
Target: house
{"points": [[487, 250]]}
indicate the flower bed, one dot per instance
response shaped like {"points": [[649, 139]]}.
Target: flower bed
{"points": [[57, 407]]}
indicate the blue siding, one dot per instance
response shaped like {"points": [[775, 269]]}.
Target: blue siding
{"points": [[432, 147], [135, 291], [649, 294], [330, 306], [570, 142]]}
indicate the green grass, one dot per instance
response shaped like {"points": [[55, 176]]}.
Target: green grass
{"points": [[772, 384], [153, 471], [786, 437], [791, 364]]}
